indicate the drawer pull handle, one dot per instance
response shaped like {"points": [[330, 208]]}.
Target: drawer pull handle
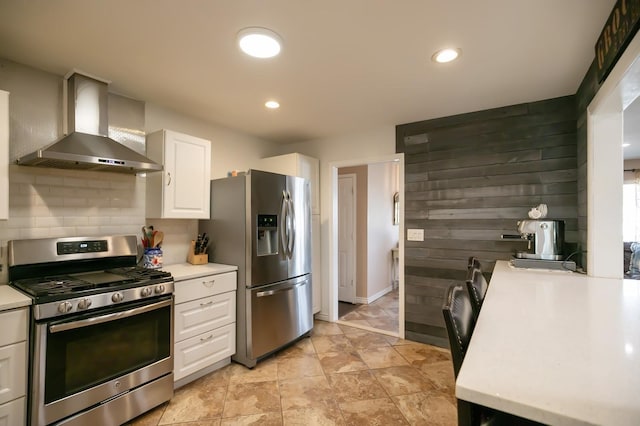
{"points": [[204, 339], [209, 303], [208, 283]]}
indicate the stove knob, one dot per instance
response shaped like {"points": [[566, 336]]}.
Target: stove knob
{"points": [[146, 291], [117, 297], [159, 289], [84, 303], [65, 307]]}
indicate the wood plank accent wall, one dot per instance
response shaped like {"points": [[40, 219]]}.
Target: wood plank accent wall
{"points": [[468, 179]]}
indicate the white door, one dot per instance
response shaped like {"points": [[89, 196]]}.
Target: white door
{"points": [[346, 238]]}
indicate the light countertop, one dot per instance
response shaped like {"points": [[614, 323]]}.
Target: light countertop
{"points": [[187, 271], [10, 298], [556, 347]]}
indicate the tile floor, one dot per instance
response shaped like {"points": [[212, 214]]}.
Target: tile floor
{"points": [[339, 376], [381, 314]]}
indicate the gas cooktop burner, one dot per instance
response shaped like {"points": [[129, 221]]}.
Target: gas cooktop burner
{"points": [[89, 282]]}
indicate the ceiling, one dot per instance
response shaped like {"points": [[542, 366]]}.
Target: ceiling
{"points": [[346, 66]]}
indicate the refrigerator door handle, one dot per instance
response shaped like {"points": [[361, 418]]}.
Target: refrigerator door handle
{"points": [[292, 234], [280, 290], [283, 224]]}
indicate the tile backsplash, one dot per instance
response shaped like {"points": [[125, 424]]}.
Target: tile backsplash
{"points": [[47, 202]]}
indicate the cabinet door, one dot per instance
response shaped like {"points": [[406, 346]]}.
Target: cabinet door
{"points": [[4, 154], [181, 190], [13, 371], [198, 316], [187, 175], [13, 413], [192, 355]]}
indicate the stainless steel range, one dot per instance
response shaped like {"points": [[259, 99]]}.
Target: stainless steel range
{"points": [[101, 329]]}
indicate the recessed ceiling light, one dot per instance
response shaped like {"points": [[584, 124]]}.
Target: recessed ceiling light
{"points": [[259, 42], [272, 104], [624, 145], [446, 55]]}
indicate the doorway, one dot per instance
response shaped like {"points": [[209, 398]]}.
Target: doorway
{"points": [[605, 164], [379, 295]]}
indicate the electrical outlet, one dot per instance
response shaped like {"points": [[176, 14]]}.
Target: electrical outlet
{"points": [[415, 234]]}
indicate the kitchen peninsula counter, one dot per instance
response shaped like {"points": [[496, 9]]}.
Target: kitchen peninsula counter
{"points": [[557, 347], [10, 298]]}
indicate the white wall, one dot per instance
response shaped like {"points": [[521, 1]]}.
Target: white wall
{"points": [[382, 234], [373, 143]]}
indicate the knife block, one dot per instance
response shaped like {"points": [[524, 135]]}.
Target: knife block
{"points": [[196, 259]]}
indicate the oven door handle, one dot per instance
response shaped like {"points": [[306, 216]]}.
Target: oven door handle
{"points": [[56, 328]]}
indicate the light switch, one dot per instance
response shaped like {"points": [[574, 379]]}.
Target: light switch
{"points": [[415, 234]]}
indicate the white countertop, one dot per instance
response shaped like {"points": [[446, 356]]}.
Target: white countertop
{"points": [[10, 298], [556, 347], [187, 271]]}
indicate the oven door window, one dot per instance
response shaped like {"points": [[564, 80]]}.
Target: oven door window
{"points": [[81, 354]]}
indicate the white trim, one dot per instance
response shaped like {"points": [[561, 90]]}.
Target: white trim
{"points": [[333, 238], [368, 328], [605, 164], [374, 297]]}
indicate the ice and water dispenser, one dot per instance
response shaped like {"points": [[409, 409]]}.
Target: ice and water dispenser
{"points": [[267, 234]]}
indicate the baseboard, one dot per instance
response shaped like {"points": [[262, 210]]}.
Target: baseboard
{"points": [[322, 317], [373, 298]]}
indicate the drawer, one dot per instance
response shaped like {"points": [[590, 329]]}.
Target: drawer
{"points": [[208, 313], [14, 412], [13, 372], [201, 351], [204, 286], [14, 326]]}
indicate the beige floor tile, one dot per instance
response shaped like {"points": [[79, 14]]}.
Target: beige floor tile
{"points": [[402, 380], [440, 373], [385, 323], [396, 341], [264, 419], [421, 352], [194, 402], [306, 392], [323, 328], [425, 407], [300, 366], [382, 357], [365, 339], [245, 399], [341, 362], [347, 329], [370, 311], [378, 412], [265, 371], [313, 416], [301, 347], [337, 343], [355, 386]]}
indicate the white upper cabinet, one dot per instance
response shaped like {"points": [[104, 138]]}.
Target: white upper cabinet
{"points": [[4, 154], [181, 190], [296, 165]]}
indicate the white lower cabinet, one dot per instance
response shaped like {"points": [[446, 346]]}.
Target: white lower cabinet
{"points": [[13, 366], [204, 325]]}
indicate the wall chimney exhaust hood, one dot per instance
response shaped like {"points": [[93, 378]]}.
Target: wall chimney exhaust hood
{"points": [[87, 145]]}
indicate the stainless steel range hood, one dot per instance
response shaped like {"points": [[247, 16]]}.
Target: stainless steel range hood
{"points": [[87, 145]]}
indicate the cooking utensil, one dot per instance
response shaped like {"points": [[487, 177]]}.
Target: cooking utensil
{"points": [[157, 238]]}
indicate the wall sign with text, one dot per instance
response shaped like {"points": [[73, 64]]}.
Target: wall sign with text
{"points": [[620, 28]]}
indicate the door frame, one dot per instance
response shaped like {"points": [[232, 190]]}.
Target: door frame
{"points": [[354, 245], [604, 154], [333, 235]]}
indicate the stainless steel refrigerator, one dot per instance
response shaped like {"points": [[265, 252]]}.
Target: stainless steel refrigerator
{"points": [[261, 222]]}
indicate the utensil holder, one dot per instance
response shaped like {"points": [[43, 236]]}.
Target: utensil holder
{"points": [[196, 259], [152, 258]]}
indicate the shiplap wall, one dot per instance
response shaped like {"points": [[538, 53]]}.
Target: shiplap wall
{"points": [[468, 179]]}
